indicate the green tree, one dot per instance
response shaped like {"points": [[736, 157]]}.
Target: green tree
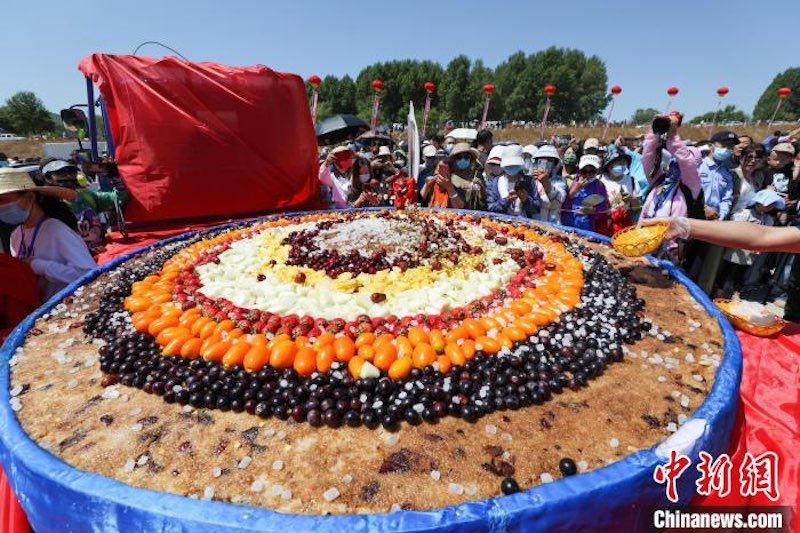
{"points": [[480, 75], [453, 90], [25, 114], [403, 82], [726, 114], [644, 116], [790, 109]]}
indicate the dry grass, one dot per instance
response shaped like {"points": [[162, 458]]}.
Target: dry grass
{"points": [[32, 148], [527, 136], [24, 149]]}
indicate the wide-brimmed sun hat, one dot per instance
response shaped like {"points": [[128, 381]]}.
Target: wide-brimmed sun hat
{"points": [[15, 180]]}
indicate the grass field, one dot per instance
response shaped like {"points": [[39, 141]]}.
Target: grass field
{"points": [[32, 148]]}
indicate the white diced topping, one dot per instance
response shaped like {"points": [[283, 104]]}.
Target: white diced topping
{"points": [[697, 377], [216, 471], [662, 379], [672, 427], [506, 437], [136, 427], [187, 409], [471, 489], [455, 488], [257, 485], [582, 466], [396, 506], [436, 475], [490, 429], [277, 465], [331, 494], [392, 439], [130, 464], [347, 478], [614, 443], [208, 493], [546, 477], [245, 461], [16, 390]]}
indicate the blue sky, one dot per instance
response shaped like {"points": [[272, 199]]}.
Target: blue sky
{"points": [[647, 46]]}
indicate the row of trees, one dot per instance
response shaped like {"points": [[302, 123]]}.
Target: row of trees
{"points": [[519, 80]]}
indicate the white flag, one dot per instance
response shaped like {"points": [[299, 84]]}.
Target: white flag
{"points": [[413, 143]]}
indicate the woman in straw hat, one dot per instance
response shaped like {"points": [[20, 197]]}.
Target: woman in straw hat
{"points": [[55, 253]]}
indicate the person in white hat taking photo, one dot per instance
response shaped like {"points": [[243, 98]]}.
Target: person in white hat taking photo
{"points": [[56, 254], [511, 192]]}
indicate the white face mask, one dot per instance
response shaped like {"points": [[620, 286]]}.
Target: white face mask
{"points": [[364, 177]]}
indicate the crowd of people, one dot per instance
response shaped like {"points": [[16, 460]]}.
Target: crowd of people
{"points": [[52, 222], [602, 187]]}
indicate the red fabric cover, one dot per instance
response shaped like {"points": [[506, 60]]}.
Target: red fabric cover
{"points": [[19, 293], [203, 139], [12, 517], [768, 417]]}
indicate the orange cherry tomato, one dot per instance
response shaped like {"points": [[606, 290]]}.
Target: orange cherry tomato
{"points": [[325, 358], [474, 328], [305, 361], [386, 337], [174, 346], [345, 349], [487, 345], [366, 352], [325, 338], [444, 364], [235, 354], [199, 324], [385, 355], [456, 334], [417, 335], [191, 348], [401, 368], [137, 303], [489, 323], [526, 325], [282, 354], [160, 324], [505, 342], [171, 333], [216, 351], [520, 307], [354, 366], [424, 355], [514, 333], [364, 339], [455, 354], [437, 341], [468, 348], [225, 325], [404, 347], [255, 359], [208, 330]]}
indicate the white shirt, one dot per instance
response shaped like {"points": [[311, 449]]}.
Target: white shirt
{"points": [[59, 255], [615, 189], [340, 186]]}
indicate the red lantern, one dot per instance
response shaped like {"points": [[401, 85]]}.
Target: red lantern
{"points": [[429, 86], [488, 88], [550, 90], [783, 92], [616, 89], [377, 85], [314, 80], [722, 91], [672, 91]]}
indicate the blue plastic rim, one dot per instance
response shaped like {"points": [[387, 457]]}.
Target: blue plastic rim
{"points": [[57, 497]]}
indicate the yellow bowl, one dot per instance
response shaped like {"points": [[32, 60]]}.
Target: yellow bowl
{"points": [[636, 241], [759, 330]]}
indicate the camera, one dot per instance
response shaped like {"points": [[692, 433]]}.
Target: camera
{"points": [[662, 123]]}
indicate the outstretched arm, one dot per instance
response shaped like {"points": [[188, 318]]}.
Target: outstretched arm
{"points": [[744, 235]]}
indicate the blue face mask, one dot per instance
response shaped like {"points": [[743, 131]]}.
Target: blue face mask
{"points": [[448, 147], [619, 170], [13, 214], [512, 170], [462, 164], [722, 154]]}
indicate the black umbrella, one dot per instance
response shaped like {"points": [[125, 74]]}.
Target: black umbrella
{"points": [[339, 128], [375, 136]]}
